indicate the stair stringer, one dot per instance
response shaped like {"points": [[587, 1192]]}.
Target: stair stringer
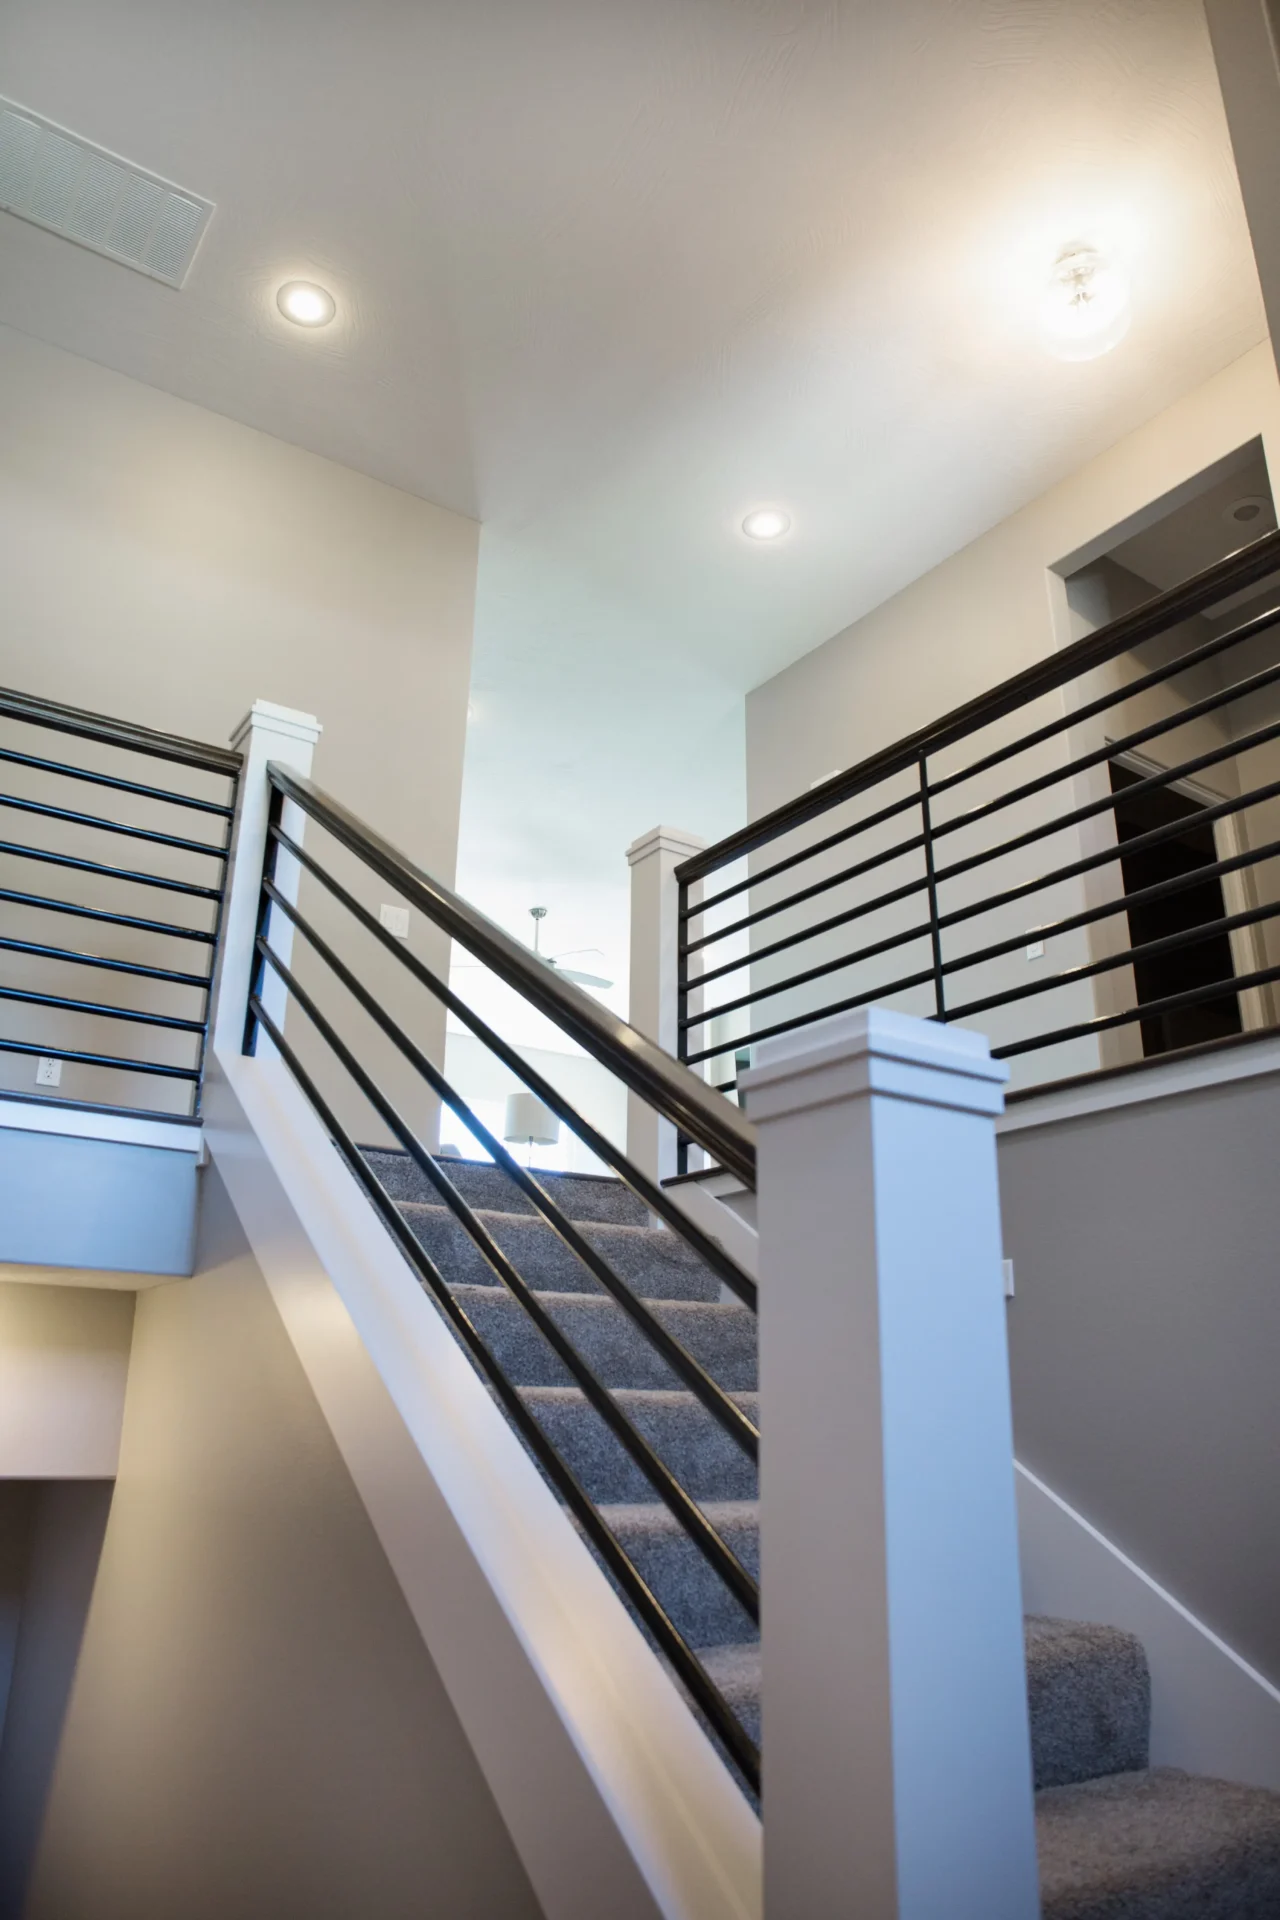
{"points": [[614, 1797]]}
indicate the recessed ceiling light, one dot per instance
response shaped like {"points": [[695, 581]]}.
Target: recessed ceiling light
{"points": [[1249, 511], [306, 304], [766, 523], [1085, 311]]}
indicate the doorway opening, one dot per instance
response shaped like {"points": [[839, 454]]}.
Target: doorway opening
{"points": [[1195, 965]]}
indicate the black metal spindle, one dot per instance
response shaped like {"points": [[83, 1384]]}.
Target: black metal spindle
{"points": [[931, 878]]}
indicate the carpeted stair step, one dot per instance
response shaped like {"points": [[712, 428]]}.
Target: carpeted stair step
{"points": [[1087, 1691], [582, 1196], [652, 1261], [694, 1597], [708, 1464], [1090, 1698], [1158, 1846], [721, 1337]]}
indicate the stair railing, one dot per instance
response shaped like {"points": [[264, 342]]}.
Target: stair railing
{"points": [[312, 971], [989, 838], [181, 835]]}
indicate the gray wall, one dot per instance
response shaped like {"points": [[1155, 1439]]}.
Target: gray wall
{"points": [[1145, 1336], [255, 1727]]}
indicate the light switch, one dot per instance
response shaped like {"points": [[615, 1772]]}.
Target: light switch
{"points": [[1008, 1278], [48, 1072], [1035, 948], [395, 920]]}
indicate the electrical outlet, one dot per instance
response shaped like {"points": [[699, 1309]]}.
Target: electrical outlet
{"points": [[395, 920], [1035, 948], [48, 1072]]}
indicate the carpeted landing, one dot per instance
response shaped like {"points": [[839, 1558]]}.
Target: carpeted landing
{"points": [[1117, 1839]]}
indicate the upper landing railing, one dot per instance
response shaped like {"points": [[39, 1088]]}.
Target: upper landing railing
{"points": [[142, 1050], [1077, 862]]}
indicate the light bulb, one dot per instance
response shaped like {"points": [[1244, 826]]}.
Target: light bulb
{"points": [[766, 523], [306, 304], [1085, 311]]}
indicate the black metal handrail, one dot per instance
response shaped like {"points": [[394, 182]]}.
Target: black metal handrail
{"points": [[136, 961], [804, 873], [518, 967], [641, 1065]]}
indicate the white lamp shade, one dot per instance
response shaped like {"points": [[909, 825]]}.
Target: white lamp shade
{"points": [[529, 1119]]}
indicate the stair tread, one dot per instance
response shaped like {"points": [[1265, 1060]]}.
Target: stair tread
{"points": [[1158, 1845], [652, 1261]]}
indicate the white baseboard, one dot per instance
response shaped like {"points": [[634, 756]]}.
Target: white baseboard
{"points": [[1211, 1712]]}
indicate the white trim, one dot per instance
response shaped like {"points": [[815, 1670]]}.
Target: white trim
{"points": [[78, 1123], [1244, 1061], [101, 1278], [1211, 1712]]}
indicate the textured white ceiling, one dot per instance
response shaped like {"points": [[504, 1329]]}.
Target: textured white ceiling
{"points": [[613, 273]]}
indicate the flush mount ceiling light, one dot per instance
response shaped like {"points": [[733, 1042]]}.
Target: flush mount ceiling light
{"points": [[766, 523], [1085, 311], [306, 304]]}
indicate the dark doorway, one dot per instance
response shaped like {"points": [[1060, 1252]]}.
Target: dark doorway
{"points": [[1201, 964]]}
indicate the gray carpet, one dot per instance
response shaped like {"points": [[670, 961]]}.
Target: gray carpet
{"points": [[1117, 1842]]}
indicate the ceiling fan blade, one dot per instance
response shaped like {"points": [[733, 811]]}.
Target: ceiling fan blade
{"points": [[580, 979]]}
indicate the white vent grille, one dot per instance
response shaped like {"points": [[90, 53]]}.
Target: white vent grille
{"points": [[62, 183]]}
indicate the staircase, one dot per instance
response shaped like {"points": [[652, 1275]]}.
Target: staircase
{"points": [[1117, 1839]]}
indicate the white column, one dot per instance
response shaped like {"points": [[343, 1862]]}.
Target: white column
{"points": [[897, 1774], [655, 925], [267, 732]]}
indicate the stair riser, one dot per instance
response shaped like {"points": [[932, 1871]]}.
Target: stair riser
{"points": [[486, 1186], [708, 1464], [651, 1263], [722, 1339]]}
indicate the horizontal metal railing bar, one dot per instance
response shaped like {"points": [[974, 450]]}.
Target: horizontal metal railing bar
{"points": [[43, 1101], [692, 1673], [48, 905], [637, 1061], [1154, 730], [102, 825], [811, 892], [42, 952], [699, 1382], [1116, 696], [807, 1019], [1097, 756], [1244, 568], [1138, 844], [709, 1251], [42, 1049], [871, 821], [85, 725], [722, 1560], [102, 1010], [117, 785], [1219, 644], [1172, 1003], [48, 859], [1129, 956], [1107, 803], [890, 941]]}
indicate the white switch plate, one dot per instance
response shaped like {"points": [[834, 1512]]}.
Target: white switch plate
{"points": [[48, 1072], [1035, 948], [1008, 1278], [395, 920]]}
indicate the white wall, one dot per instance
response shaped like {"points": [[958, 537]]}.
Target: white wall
{"points": [[169, 566], [989, 611], [255, 1726], [64, 1361]]}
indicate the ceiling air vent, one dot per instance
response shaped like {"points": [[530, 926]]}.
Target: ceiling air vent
{"points": [[62, 183]]}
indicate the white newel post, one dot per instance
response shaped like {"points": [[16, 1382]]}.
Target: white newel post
{"points": [[897, 1773], [655, 925], [267, 732]]}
